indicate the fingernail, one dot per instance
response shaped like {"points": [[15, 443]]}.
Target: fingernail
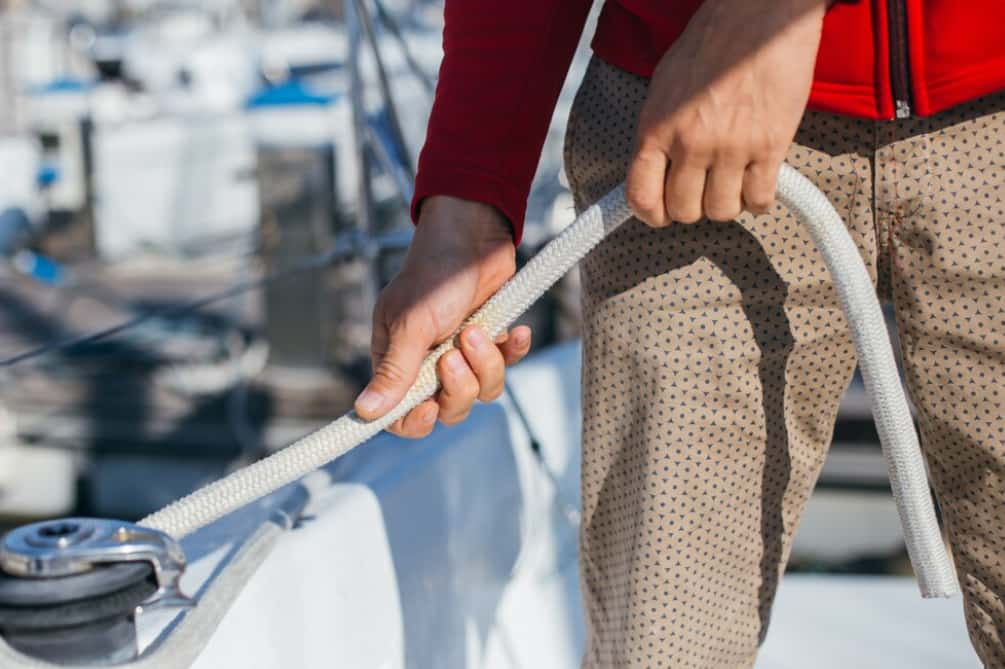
{"points": [[520, 338], [455, 362], [476, 338], [369, 401], [430, 415]]}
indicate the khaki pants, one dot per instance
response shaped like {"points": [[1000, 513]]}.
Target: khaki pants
{"points": [[715, 356]]}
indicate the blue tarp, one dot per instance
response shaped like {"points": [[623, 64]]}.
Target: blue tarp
{"points": [[63, 85], [289, 93]]}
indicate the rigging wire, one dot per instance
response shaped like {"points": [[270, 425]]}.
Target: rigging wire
{"points": [[392, 25], [349, 247]]}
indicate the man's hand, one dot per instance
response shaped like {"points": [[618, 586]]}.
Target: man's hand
{"points": [[461, 253], [723, 107]]}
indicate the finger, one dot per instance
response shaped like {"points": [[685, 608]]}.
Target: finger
{"points": [[418, 422], [460, 387], [644, 186], [517, 345], [723, 192], [485, 360], [685, 187], [396, 370], [760, 183]]}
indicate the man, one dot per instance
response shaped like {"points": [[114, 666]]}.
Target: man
{"points": [[715, 353]]}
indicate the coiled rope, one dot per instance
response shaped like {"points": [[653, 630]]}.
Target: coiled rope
{"points": [[858, 297]]}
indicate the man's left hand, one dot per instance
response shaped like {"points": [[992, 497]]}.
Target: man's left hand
{"points": [[723, 107]]}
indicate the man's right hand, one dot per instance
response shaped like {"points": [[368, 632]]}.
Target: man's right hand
{"points": [[462, 252]]}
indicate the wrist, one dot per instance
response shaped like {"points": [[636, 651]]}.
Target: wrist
{"points": [[465, 219], [464, 235], [775, 16]]}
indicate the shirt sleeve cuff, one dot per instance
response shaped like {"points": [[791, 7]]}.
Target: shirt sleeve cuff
{"points": [[458, 181]]}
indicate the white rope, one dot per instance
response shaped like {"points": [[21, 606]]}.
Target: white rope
{"points": [[908, 478], [893, 419]]}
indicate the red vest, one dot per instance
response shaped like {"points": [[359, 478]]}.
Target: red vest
{"points": [[876, 57]]}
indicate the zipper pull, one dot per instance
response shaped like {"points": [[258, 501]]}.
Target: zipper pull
{"points": [[903, 109]]}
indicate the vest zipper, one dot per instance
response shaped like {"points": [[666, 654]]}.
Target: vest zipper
{"points": [[900, 74]]}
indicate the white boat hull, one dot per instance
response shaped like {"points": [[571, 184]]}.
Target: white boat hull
{"points": [[458, 551]]}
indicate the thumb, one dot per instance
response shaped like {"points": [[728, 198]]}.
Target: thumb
{"points": [[394, 375]]}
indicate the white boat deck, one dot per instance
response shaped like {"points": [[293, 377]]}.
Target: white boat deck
{"points": [[459, 552], [838, 622]]}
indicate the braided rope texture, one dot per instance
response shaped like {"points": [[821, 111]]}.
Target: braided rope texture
{"points": [[908, 477], [893, 419], [338, 437]]}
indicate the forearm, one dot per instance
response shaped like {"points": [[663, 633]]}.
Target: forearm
{"points": [[742, 26], [503, 67]]}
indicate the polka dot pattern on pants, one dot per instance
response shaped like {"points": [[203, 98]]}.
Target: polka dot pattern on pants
{"points": [[715, 356]]}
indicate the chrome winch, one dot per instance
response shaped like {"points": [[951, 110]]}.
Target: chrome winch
{"points": [[70, 588]]}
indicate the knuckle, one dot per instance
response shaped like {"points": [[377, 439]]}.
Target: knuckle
{"points": [[493, 365], [444, 367], [470, 389], [524, 337], [413, 325], [390, 371], [645, 204], [648, 137], [771, 143], [459, 388], [517, 355], [422, 431], [492, 393], [722, 211], [693, 145], [764, 147], [684, 213], [760, 203], [732, 149], [484, 360], [771, 183], [456, 417], [653, 222], [687, 218]]}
